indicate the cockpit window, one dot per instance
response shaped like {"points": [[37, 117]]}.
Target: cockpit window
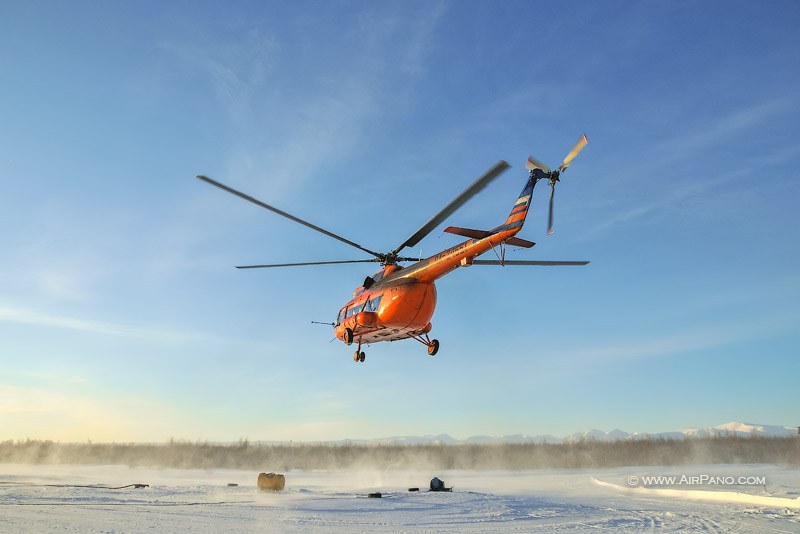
{"points": [[373, 304]]}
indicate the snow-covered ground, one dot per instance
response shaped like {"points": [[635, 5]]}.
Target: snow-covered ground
{"points": [[45, 499]]}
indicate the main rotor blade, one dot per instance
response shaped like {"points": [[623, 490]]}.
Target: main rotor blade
{"points": [[456, 203], [582, 142], [304, 263], [284, 214], [529, 262]]}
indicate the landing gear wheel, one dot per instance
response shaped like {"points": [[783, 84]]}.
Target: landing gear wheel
{"points": [[348, 336], [362, 357], [433, 347]]}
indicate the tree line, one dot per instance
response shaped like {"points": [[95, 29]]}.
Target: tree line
{"points": [[511, 456]]}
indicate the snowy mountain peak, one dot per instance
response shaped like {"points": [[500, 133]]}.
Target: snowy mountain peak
{"points": [[736, 428], [733, 428]]}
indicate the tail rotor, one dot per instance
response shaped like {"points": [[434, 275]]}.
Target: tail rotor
{"points": [[533, 165]]}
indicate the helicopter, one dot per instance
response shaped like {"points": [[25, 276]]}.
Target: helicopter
{"points": [[398, 302]]}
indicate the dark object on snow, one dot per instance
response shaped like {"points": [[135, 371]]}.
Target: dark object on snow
{"points": [[438, 485], [232, 485], [376, 495], [413, 489], [271, 481]]}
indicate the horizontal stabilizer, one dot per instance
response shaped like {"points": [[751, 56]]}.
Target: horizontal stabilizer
{"points": [[517, 242], [480, 234], [468, 232]]}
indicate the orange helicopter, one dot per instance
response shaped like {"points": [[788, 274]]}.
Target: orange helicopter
{"points": [[398, 302]]}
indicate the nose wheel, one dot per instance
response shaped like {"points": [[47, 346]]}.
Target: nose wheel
{"points": [[347, 337]]}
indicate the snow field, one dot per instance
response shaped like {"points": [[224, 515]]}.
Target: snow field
{"points": [[44, 499]]}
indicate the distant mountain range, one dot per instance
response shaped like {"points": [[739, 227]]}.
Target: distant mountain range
{"points": [[728, 429], [733, 428]]}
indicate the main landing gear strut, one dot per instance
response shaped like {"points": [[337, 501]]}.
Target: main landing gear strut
{"points": [[432, 344], [359, 356], [347, 337]]}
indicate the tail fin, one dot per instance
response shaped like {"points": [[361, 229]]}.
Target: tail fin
{"points": [[520, 210]]}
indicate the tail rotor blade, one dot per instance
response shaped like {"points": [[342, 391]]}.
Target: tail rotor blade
{"points": [[533, 163], [582, 142], [550, 212]]}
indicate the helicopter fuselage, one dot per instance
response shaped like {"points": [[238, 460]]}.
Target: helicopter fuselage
{"points": [[398, 302]]}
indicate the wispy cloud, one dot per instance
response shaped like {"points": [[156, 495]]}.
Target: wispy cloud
{"points": [[674, 343], [36, 318], [25, 316], [701, 137], [678, 195], [296, 120], [283, 134], [235, 73], [684, 149], [411, 39], [61, 284]]}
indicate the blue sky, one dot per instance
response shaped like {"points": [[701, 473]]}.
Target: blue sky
{"points": [[122, 317]]}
